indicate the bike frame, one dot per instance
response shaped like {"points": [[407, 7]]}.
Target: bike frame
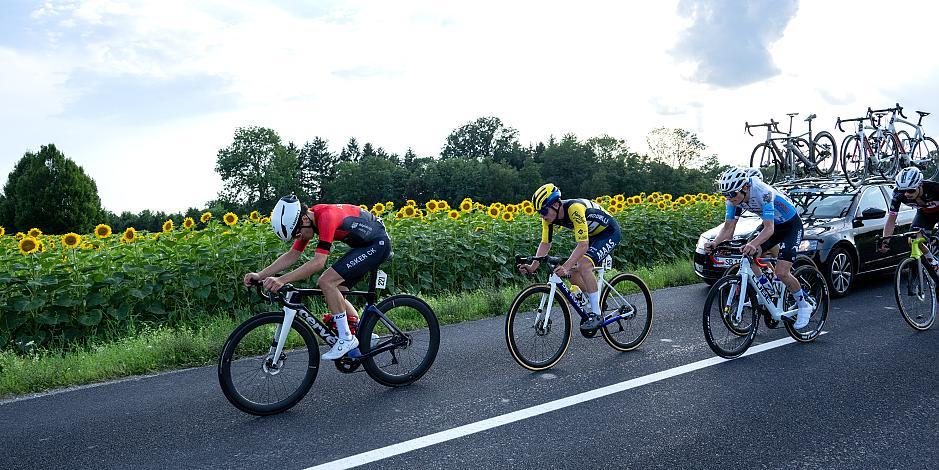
{"points": [[293, 306], [787, 158], [558, 284], [748, 278]]}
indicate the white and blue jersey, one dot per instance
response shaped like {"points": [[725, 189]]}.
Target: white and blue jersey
{"points": [[765, 200]]}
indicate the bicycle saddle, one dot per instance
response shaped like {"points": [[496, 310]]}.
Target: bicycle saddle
{"points": [[792, 114], [922, 113], [811, 116]]}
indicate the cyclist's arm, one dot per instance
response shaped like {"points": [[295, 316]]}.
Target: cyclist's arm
{"points": [[307, 269], [726, 231], [543, 249], [890, 224], [282, 262], [769, 226]]}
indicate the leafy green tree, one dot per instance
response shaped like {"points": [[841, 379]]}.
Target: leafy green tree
{"points": [[486, 137], [679, 148], [570, 164], [351, 152], [49, 191], [373, 179], [317, 167], [257, 168]]}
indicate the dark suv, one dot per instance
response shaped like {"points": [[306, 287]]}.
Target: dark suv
{"points": [[841, 224]]}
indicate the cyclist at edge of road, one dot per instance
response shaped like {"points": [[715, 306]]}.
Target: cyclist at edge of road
{"points": [[363, 232], [596, 234], [743, 190], [912, 190]]}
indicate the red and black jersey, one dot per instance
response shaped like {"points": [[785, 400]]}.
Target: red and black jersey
{"points": [[345, 223]]}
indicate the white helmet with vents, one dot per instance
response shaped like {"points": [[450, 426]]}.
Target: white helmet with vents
{"points": [[285, 218], [733, 179], [909, 178]]}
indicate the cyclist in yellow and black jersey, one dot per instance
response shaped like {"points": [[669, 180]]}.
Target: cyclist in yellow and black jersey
{"points": [[596, 234]]}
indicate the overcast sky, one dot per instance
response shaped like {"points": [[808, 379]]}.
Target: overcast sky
{"points": [[144, 94]]}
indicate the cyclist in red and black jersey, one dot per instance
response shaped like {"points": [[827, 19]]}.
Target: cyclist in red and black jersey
{"points": [[914, 191], [359, 229]]}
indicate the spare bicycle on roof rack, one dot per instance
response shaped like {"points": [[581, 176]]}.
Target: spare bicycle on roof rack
{"points": [[798, 156]]}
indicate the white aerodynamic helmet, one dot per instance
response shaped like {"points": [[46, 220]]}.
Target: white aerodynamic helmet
{"points": [[734, 179], [909, 178], [285, 218]]}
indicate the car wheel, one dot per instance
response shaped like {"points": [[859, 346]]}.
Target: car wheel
{"points": [[840, 271]]}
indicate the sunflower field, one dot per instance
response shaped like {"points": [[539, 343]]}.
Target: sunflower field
{"points": [[62, 288]]}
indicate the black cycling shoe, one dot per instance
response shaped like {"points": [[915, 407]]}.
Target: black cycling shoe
{"points": [[592, 323]]}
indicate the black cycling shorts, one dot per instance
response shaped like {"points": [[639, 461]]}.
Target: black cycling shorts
{"points": [[358, 262], [788, 236], [925, 221], [602, 245]]}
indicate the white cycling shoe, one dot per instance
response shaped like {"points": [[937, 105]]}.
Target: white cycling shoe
{"points": [[802, 316], [341, 348]]}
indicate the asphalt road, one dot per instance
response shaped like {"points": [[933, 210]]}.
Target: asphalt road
{"points": [[863, 395]]}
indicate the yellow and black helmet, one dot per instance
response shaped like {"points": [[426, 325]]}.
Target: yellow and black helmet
{"points": [[544, 196]]}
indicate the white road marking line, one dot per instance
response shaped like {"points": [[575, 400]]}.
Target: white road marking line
{"points": [[496, 421]]}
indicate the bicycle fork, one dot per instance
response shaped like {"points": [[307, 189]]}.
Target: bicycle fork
{"points": [[280, 335]]}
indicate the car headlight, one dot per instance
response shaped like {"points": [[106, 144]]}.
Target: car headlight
{"points": [[807, 245]]}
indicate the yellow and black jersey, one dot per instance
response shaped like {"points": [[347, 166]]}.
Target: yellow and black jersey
{"points": [[586, 218]]}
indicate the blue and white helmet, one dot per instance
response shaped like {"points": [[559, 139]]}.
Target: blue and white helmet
{"points": [[909, 178]]}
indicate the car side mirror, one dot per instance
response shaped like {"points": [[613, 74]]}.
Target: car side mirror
{"points": [[873, 213]]}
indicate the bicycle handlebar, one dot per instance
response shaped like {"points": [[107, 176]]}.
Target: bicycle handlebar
{"points": [[840, 121], [774, 125], [897, 108], [279, 296]]}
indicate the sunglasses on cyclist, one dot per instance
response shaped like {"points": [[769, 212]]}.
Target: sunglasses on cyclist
{"points": [[544, 210], [909, 191], [731, 194], [300, 226]]}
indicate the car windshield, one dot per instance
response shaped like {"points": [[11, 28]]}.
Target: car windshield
{"points": [[821, 205]]}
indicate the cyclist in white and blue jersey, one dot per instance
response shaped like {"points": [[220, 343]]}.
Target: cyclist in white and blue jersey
{"points": [[781, 225]]}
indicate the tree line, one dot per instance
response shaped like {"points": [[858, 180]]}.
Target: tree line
{"points": [[482, 159]]}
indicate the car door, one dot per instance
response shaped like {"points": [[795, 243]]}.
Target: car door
{"points": [[867, 230]]}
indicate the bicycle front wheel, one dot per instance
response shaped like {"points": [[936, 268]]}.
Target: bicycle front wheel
{"points": [[727, 334], [825, 153], [915, 292], [627, 299], [410, 331], [816, 288], [925, 156], [534, 343], [853, 161], [765, 158], [253, 379]]}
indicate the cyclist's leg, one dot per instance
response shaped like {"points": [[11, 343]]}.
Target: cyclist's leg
{"points": [[600, 247], [785, 239], [926, 221]]}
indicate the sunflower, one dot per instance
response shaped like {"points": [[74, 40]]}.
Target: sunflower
{"points": [[130, 234], [499, 205], [2, 231], [399, 215], [478, 206], [619, 198], [20, 235], [662, 205], [28, 245], [71, 240], [35, 233], [389, 205], [681, 200], [409, 210], [431, 205], [527, 202], [598, 200], [266, 220], [205, 217], [511, 208], [103, 231], [411, 202], [188, 223], [508, 216], [667, 197], [255, 216], [466, 205], [493, 212], [374, 212], [230, 219], [529, 210], [454, 215], [379, 208]]}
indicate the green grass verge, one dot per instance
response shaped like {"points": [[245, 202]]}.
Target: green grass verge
{"points": [[157, 349]]}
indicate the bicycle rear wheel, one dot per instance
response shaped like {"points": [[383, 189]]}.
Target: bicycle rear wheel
{"points": [[925, 156], [765, 158], [727, 335], [628, 299], [915, 292], [411, 330], [813, 283], [253, 380], [534, 345]]}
